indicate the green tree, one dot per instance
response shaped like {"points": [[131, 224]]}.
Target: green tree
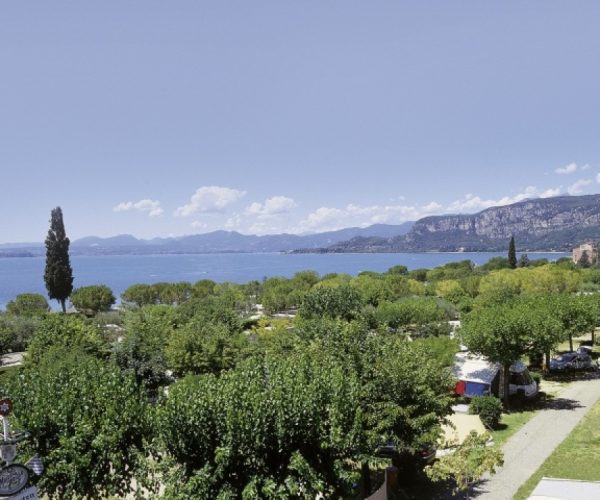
{"points": [[90, 300], [512, 253], [28, 304], [469, 462], [58, 275], [88, 420], [342, 302], [523, 260], [503, 333], [140, 294], [201, 347], [66, 332], [143, 345]]}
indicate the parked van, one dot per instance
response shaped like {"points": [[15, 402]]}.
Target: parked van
{"points": [[477, 376]]}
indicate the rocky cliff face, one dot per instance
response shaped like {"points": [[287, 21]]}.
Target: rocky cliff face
{"points": [[541, 224], [532, 217]]}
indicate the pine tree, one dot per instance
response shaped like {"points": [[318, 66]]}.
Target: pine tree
{"points": [[512, 253], [58, 275]]}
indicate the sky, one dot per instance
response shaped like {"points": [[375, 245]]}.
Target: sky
{"points": [[157, 118]]}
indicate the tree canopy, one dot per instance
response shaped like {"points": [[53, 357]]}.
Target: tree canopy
{"points": [[58, 274]]}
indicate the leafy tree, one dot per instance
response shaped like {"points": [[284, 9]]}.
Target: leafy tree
{"points": [[512, 253], [203, 347], [324, 302], [141, 295], [469, 462], [142, 348], [67, 332], [28, 304], [451, 270], [411, 311], [58, 275], [372, 289], [399, 269], [523, 261], [88, 420], [203, 288], [272, 428], [575, 314], [16, 331], [90, 300], [495, 264], [451, 290], [503, 333]]}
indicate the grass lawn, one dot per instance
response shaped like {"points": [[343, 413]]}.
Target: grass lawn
{"points": [[511, 423], [577, 457]]}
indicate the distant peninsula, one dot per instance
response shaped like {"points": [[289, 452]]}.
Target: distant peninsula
{"points": [[542, 224]]}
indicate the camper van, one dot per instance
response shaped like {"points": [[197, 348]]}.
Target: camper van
{"points": [[477, 376]]}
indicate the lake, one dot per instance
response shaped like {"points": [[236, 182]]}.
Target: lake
{"points": [[19, 275]]}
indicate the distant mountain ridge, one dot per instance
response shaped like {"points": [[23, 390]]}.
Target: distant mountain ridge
{"points": [[543, 224], [213, 242]]}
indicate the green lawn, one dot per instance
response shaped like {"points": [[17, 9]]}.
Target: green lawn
{"points": [[577, 457], [513, 422]]}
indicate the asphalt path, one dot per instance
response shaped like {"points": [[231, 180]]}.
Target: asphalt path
{"points": [[528, 448]]}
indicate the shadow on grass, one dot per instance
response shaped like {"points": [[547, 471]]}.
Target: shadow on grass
{"points": [[543, 402], [573, 376]]}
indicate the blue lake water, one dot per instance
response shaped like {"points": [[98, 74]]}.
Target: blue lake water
{"points": [[19, 275]]}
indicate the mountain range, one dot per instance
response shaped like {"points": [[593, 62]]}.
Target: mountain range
{"points": [[543, 224], [213, 242]]}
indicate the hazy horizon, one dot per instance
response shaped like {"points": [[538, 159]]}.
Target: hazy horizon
{"points": [[161, 120]]}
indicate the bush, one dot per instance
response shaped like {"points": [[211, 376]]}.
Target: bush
{"points": [[489, 409], [28, 304], [537, 377]]}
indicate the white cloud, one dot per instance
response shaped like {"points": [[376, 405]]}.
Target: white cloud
{"points": [[151, 206], [275, 205], [571, 168], [210, 199], [233, 222], [471, 203], [330, 218], [577, 187]]}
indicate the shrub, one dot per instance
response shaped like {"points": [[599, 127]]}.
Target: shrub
{"points": [[489, 409], [537, 377]]}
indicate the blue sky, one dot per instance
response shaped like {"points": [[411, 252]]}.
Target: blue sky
{"points": [[169, 118]]}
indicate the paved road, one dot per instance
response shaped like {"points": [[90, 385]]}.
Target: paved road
{"points": [[535, 441]]}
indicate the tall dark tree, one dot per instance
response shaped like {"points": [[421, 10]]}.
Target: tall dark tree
{"points": [[58, 275], [512, 253]]}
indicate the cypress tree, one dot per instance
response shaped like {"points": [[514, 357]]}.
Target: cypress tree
{"points": [[58, 275], [512, 253]]}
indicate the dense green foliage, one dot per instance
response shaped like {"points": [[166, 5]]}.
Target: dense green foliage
{"points": [[67, 332], [90, 300], [489, 409], [253, 405], [28, 304], [88, 421], [58, 274]]}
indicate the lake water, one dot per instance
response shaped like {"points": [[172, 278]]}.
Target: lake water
{"points": [[19, 275]]}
